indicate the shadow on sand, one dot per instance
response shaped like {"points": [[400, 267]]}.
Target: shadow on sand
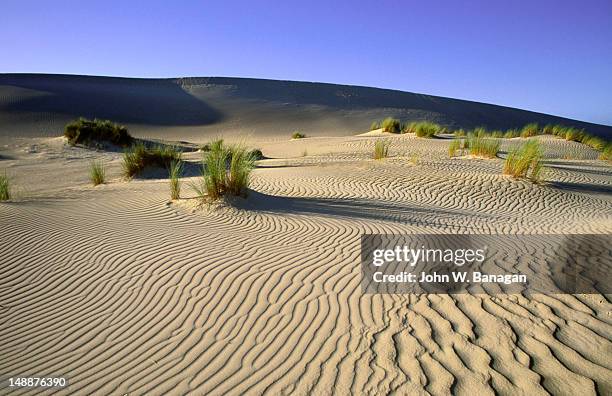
{"points": [[123, 100], [353, 208]]}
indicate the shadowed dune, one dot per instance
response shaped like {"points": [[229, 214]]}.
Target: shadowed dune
{"points": [[199, 107]]}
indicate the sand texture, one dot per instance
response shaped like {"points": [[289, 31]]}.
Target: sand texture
{"points": [[124, 292]]}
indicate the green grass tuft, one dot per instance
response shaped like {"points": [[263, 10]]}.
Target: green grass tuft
{"points": [[138, 157], [5, 187], [606, 153], [390, 124], [425, 129], [84, 131], [455, 146], [175, 172], [375, 125], [525, 161], [219, 179], [296, 135], [482, 146], [381, 149], [97, 172], [530, 130]]}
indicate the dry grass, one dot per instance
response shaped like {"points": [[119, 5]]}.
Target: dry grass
{"points": [[5, 187], [381, 149]]}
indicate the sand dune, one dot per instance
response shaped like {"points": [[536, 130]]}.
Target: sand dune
{"points": [[123, 292], [195, 109]]}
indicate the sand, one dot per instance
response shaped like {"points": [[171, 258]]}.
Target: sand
{"points": [[124, 292]]}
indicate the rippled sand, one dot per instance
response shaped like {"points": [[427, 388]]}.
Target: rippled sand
{"points": [[124, 292]]}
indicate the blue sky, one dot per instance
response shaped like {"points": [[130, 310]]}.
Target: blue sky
{"points": [[548, 56]]}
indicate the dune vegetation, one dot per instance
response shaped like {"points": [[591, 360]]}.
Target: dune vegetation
{"points": [[525, 161], [174, 174], [381, 149], [139, 156], [480, 145], [97, 172], [84, 131], [226, 171], [391, 125], [5, 187], [298, 135]]}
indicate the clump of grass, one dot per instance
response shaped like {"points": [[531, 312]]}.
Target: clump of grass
{"points": [[297, 135], [375, 125], [5, 187], [548, 129], [530, 130], [97, 172], [480, 132], [573, 135], [390, 124], [460, 133], [481, 146], [257, 154], [219, 179], [594, 141], [89, 131], [381, 149], [512, 133], [175, 172], [455, 145], [415, 159], [525, 161], [425, 129], [606, 154], [138, 157], [497, 134]]}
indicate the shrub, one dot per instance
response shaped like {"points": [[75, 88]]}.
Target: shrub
{"points": [[217, 180], [138, 157], [97, 172], [483, 147], [88, 131], [5, 188], [426, 129], [295, 135], [525, 161], [391, 125], [175, 172], [375, 125], [381, 149], [530, 130]]}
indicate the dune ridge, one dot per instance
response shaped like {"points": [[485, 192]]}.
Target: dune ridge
{"points": [[198, 108]]}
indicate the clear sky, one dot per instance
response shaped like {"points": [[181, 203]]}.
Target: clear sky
{"points": [[552, 56]]}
